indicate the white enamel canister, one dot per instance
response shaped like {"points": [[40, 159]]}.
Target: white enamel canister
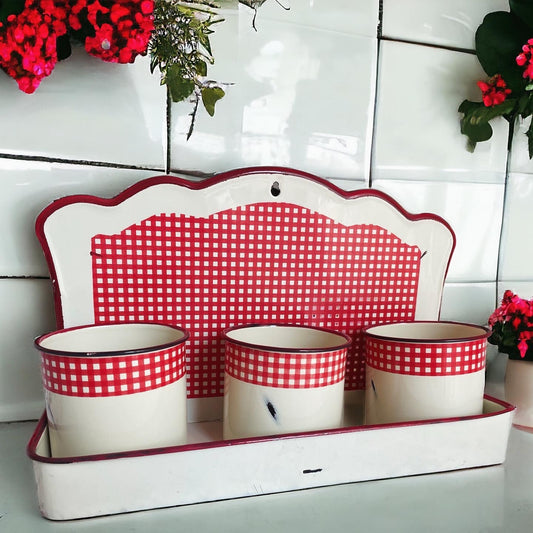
{"points": [[112, 388], [283, 379], [424, 370]]}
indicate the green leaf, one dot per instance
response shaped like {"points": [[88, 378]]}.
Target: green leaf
{"points": [[210, 96], [529, 134], [154, 62], [180, 88], [499, 40], [475, 122], [468, 106], [204, 41], [477, 112], [476, 131], [10, 7], [523, 9], [201, 68]]}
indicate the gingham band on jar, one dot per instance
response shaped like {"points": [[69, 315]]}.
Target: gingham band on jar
{"points": [[434, 359], [112, 376], [287, 370]]}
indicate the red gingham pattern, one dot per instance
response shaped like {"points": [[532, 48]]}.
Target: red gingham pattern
{"points": [[260, 263], [428, 360], [113, 375], [288, 371]]}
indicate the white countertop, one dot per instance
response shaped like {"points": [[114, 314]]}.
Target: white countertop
{"points": [[491, 499]]}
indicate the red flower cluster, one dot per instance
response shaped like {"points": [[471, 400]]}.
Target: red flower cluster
{"points": [[122, 28], [494, 91], [28, 49], [512, 322], [525, 60]]}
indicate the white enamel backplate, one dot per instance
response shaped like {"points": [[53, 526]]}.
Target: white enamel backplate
{"points": [[257, 245]]}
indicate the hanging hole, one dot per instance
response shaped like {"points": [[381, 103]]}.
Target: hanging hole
{"points": [[275, 190]]}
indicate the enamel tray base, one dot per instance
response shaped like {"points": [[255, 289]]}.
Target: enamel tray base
{"points": [[209, 469]]}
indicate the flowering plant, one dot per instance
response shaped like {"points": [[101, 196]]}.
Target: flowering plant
{"points": [[504, 47], [512, 327], [36, 34]]}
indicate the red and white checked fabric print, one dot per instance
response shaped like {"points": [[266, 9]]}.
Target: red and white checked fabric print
{"points": [[112, 375], [429, 360], [259, 263], [287, 370]]}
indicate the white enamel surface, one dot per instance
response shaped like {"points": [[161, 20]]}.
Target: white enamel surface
{"points": [[26, 311], [264, 467], [473, 210], [400, 397], [417, 133], [421, 331], [451, 23], [519, 391], [28, 186], [74, 113], [73, 264], [517, 237], [247, 414], [293, 99], [85, 426], [287, 337], [111, 338]]}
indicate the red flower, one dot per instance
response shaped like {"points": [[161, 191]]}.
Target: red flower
{"points": [[512, 324], [28, 50], [494, 91], [121, 33], [525, 60]]}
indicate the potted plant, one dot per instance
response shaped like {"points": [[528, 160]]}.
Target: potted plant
{"points": [[511, 327], [504, 48]]}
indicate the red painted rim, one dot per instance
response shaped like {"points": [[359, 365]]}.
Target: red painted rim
{"points": [[366, 332], [152, 348], [270, 348]]}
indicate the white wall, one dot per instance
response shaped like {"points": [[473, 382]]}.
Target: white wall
{"points": [[314, 89]]}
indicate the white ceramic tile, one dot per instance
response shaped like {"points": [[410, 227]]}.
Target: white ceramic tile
{"points": [[26, 312], [451, 23], [357, 17], [28, 187], [524, 289], [417, 132], [516, 262], [468, 302], [349, 185], [302, 97], [88, 110], [473, 210], [520, 162]]}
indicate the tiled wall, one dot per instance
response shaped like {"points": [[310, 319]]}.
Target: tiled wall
{"points": [[315, 88]]}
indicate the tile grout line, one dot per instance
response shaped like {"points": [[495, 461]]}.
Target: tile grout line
{"points": [[168, 132], [81, 162], [429, 45], [379, 30], [504, 210]]}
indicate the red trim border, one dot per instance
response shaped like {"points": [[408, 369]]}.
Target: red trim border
{"points": [[199, 185]]}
